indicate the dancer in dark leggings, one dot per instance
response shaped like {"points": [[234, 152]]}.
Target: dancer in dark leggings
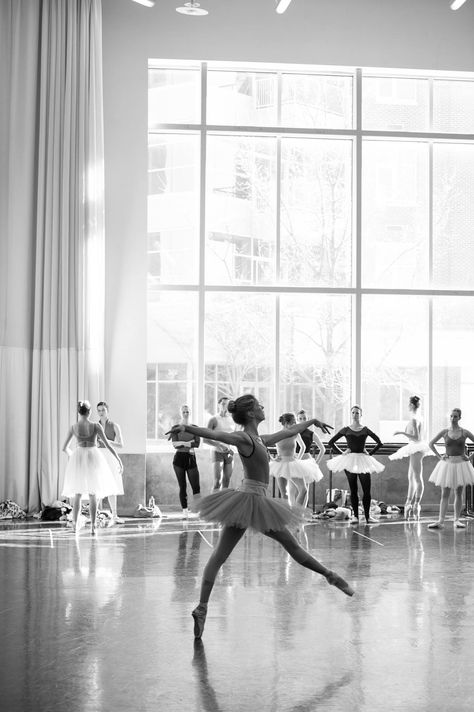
{"points": [[249, 505], [356, 462], [184, 461]]}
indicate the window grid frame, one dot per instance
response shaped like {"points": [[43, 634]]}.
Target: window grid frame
{"points": [[357, 134]]}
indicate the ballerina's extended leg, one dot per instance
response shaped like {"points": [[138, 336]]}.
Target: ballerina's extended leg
{"points": [[303, 557]]}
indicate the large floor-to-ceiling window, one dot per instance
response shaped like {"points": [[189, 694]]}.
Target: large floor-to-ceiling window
{"points": [[311, 240]]}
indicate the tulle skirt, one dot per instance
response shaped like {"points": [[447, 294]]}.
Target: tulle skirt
{"points": [[87, 472], [114, 466], [410, 449], [291, 469], [248, 506], [453, 472], [355, 462]]}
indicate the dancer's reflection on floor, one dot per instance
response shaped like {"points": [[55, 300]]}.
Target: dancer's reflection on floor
{"points": [[186, 568], [321, 697]]}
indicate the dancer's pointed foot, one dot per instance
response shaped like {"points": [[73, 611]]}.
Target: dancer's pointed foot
{"points": [[436, 525], [334, 579], [408, 511], [458, 524], [199, 614], [416, 511]]}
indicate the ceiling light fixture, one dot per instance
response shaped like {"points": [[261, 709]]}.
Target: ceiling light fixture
{"points": [[191, 8], [456, 4], [281, 6], [147, 3]]}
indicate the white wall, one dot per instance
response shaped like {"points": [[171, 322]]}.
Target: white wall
{"points": [[415, 34]]}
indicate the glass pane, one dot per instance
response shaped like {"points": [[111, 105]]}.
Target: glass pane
{"points": [[241, 191], [172, 349], [316, 212], [315, 355], [173, 208], [395, 223], [453, 216], [174, 96], [242, 98], [316, 101], [453, 346], [394, 360], [392, 104], [453, 106], [239, 339]]}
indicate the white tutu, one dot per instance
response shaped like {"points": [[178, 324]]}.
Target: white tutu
{"points": [[355, 462], [291, 469], [87, 472], [410, 449], [114, 466], [453, 472], [248, 506]]}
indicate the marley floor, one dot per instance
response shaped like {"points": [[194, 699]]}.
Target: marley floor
{"points": [[92, 624]]}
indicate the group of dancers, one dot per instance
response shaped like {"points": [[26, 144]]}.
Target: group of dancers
{"points": [[235, 510]]}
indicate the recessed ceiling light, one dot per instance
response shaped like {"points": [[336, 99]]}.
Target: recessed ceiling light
{"points": [[147, 3], [282, 5], [191, 8]]}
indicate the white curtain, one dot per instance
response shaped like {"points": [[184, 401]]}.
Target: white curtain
{"points": [[52, 259]]}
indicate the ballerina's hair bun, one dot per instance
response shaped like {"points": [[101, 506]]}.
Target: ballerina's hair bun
{"points": [[415, 401], [286, 418], [240, 407], [83, 407]]}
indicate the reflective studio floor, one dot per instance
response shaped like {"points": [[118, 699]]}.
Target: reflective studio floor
{"points": [[93, 624]]}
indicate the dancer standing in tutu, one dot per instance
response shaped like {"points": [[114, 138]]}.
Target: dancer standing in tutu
{"points": [[415, 451], [293, 472], [356, 462], [87, 471], [249, 506], [453, 471], [184, 461], [113, 434]]}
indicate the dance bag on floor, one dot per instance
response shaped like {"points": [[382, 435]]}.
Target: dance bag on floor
{"points": [[149, 512]]}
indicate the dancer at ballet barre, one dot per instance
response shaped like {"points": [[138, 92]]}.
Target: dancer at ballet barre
{"points": [[356, 462], [453, 471], [415, 450]]}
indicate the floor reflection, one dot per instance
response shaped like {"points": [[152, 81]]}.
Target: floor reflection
{"points": [[105, 622]]}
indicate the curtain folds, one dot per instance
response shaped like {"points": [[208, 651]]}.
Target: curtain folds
{"points": [[62, 337]]}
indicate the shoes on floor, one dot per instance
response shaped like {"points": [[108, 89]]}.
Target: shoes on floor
{"points": [[354, 520], [371, 520], [436, 525], [199, 614], [458, 524]]}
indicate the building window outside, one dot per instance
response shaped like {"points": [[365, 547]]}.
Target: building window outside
{"points": [[273, 269]]}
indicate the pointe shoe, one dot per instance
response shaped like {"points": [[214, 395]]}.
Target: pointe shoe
{"points": [[408, 511], [334, 579], [199, 614], [436, 525], [416, 511], [458, 524], [371, 520], [185, 514], [354, 520]]}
